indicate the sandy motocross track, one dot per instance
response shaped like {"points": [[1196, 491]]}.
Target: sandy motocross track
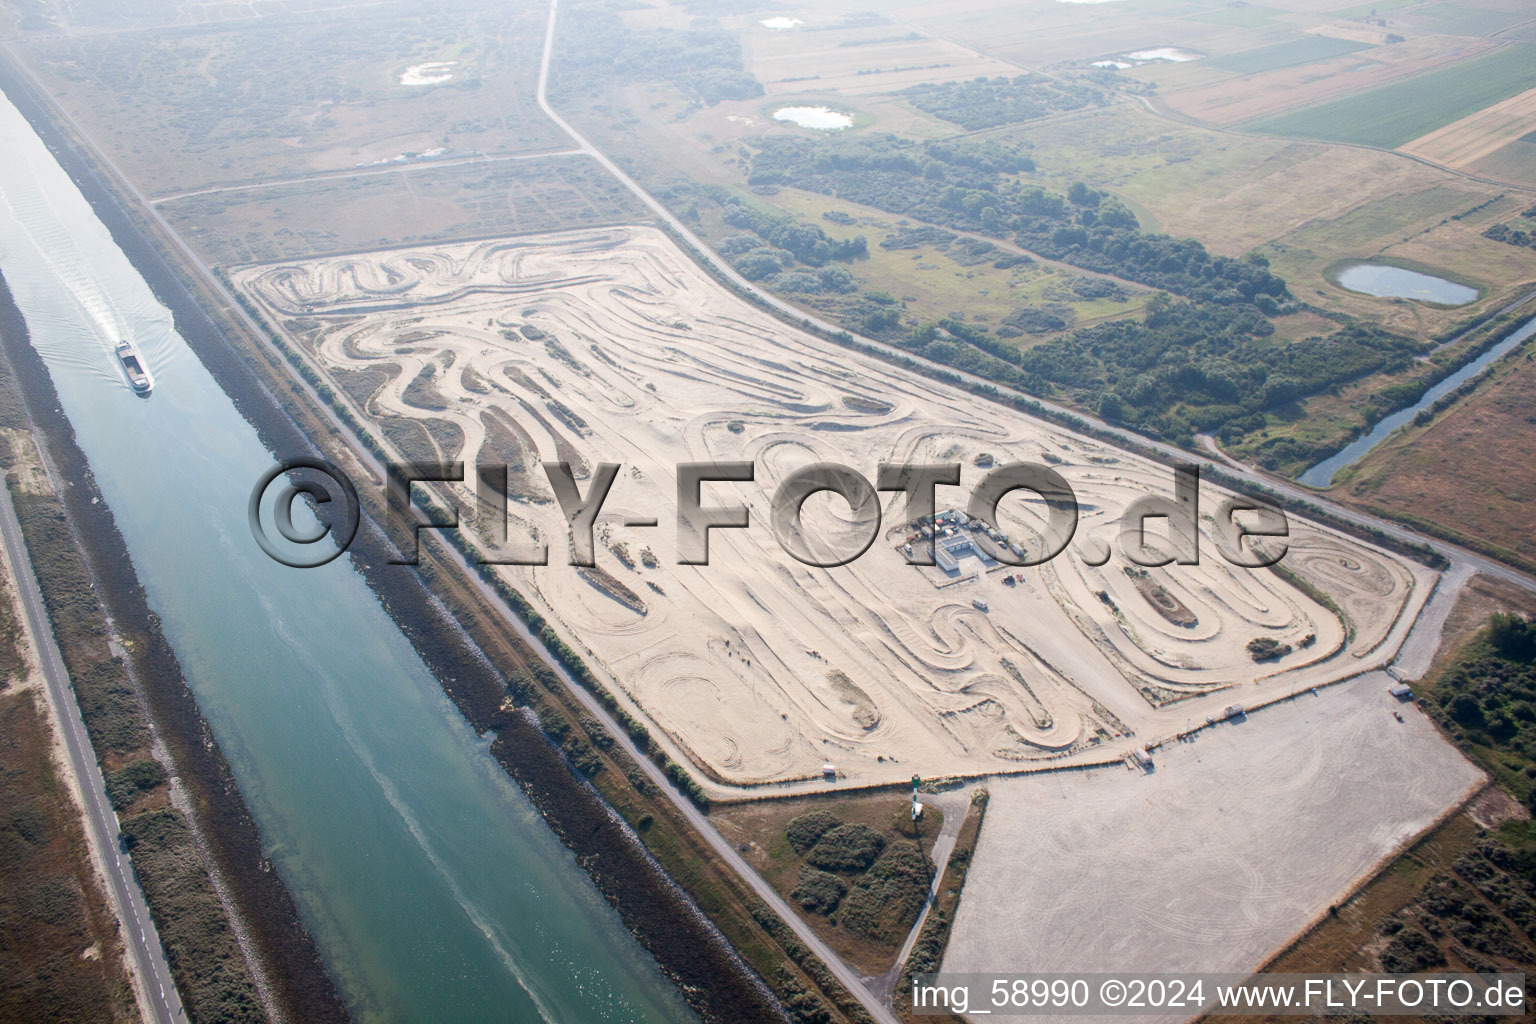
{"points": [[608, 345]]}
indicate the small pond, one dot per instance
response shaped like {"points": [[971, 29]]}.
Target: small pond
{"points": [[1388, 282], [433, 72], [1176, 54], [822, 119]]}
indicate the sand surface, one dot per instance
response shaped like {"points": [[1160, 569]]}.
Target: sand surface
{"points": [[1233, 844], [609, 345]]}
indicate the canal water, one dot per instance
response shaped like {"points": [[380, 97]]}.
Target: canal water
{"points": [[1322, 474], [434, 890]]}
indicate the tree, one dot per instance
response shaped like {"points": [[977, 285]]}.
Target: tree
{"points": [[1512, 636], [847, 848], [1466, 711]]}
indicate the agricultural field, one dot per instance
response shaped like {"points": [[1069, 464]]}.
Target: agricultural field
{"points": [[1288, 54], [1513, 162], [1465, 143], [608, 345], [1485, 18], [1303, 205], [1050, 35], [1252, 100], [1396, 114]]}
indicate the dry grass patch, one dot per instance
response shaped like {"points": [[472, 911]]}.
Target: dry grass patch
{"points": [[1469, 471], [59, 951], [1435, 224], [287, 94]]}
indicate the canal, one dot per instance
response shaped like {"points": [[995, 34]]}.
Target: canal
{"points": [[433, 888]]}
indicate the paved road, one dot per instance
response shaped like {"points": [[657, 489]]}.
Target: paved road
{"points": [[955, 804], [138, 930]]}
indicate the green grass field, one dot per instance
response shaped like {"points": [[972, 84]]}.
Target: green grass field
{"points": [[1403, 111], [1285, 55]]}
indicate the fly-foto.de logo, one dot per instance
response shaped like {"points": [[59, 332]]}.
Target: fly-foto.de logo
{"points": [[933, 538]]}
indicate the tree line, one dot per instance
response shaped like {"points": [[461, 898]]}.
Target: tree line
{"points": [[968, 185]]}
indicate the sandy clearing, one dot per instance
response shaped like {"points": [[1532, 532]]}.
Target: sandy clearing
{"points": [[1231, 846], [610, 346], [1462, 143], [31, 477]]}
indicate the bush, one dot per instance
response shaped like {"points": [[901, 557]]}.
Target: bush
{"points": [[809, 827], [1410, 951], [1267, 648], [818, 891], [847, 848], [886, 901], [1035, 321], [680, 778], [199, 943], [125, 784], [989, 102]]}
